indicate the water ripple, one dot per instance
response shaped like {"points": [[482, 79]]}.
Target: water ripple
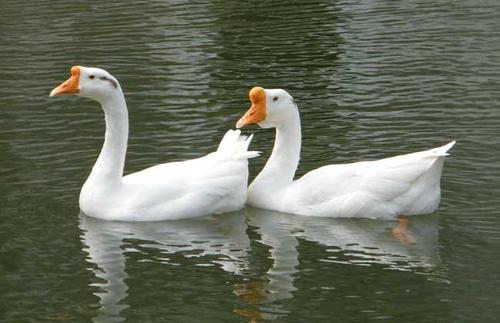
{"points": [[372, 79]]}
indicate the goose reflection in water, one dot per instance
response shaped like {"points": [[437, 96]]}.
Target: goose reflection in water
{"points": [[409, 244], [223, 237]]}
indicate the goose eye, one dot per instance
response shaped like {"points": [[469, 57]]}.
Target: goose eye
{"points": [[91, 77], [275, 98]]}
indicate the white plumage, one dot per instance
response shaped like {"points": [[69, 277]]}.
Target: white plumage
{"points": [[214, 183], [402, 185]]}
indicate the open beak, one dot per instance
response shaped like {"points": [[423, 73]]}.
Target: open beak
{"points": [[70, 86], [257, 111]]}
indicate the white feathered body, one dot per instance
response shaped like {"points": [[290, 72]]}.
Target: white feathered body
{"points": [[402, 185], [214, 183]]}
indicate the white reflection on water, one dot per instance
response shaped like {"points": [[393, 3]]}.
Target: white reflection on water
{"points": [[223, 237], [348, 241]]}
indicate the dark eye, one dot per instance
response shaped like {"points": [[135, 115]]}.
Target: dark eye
{"points": [[91, 77], [275, 98]]}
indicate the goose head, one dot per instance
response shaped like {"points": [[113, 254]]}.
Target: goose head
{"points": [[90, 82], [270, 108]]}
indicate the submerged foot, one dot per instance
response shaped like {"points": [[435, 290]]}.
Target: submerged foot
{"points": [[401, 231]]}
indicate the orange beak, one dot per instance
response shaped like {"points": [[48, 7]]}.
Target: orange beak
{"points": [[70, 86], [257, 111]]}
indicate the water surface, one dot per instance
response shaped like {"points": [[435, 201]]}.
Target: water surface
{"points": [[372, 79]]}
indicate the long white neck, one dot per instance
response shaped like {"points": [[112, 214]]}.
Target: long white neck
{"points": [[282, 164], [109, 165]]}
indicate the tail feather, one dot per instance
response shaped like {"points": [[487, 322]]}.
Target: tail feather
{"points": [[443, 150], [234, 145]]}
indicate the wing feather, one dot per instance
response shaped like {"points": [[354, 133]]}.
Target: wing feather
{"points": [[369, 187]]}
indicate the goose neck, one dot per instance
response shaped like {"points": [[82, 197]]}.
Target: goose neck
{"points": [[110, 163], [282, 164]]}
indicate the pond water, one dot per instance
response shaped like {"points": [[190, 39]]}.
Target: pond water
{"points": [[372, 79]]}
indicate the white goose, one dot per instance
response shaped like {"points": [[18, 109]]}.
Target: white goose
{"points": [[215, 183], [387, 188]]}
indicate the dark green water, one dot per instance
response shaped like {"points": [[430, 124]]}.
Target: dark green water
{"points": [[372, 79]]}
